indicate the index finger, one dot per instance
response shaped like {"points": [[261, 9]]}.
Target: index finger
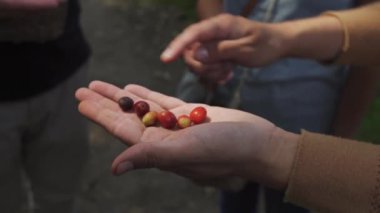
{"points": [[211, 29]]}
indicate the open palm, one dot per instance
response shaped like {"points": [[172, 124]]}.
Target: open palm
{"points": [[99, 103], [229, 143]]}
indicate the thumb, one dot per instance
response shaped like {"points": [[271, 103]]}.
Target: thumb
{"points": [[134, 157], [143, 155]]}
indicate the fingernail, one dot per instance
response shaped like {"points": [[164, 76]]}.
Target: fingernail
{"points": [[230, 76], [123, 167], [202, 54], [167, 54]]}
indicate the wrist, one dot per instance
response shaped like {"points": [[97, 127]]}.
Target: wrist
{"points": [[319, 38], [284, 151], [270, 162], [283, 36], [209, 8]]}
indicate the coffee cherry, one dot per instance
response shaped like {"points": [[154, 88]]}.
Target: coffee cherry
{"points": [[198, 115], [150, 118], [167, 119], [183, 121], [125, 103], [141, 108]]}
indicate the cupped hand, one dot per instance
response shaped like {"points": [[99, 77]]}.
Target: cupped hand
{"points": [[210, 73], [216, 43], [230, 143], [99, 102], [29, 4]]}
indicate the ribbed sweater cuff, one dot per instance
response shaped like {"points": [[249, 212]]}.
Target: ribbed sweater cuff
{"points": [[332, 174]]}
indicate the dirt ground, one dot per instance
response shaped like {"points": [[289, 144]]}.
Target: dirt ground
{"points": [[126, 39]]}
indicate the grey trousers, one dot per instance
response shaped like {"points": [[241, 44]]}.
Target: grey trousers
{"points": [[46, 139]]}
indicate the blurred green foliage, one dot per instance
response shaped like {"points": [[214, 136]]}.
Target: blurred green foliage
{"points": [[187, 6], [370, 128]]}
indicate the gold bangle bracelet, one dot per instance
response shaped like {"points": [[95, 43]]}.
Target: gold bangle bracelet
{"points": [[346, 40]]}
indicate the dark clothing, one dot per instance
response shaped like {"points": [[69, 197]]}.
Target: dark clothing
{"points": [[239, 202], [246, 201], [30, 68]]}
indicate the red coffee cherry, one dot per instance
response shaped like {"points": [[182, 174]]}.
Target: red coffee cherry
{"points": [[141, 108], [167, 119], [198, 115]]}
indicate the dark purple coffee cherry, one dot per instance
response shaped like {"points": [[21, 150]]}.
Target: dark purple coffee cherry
{"points": [[126, 103]]}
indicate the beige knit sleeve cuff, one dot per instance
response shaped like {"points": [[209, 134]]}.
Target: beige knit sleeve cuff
{"points": [[335, 175]]}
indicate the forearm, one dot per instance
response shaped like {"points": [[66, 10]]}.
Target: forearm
{"points": [[209, 8], [353, 35], [358, 93], [362, 34], [318, 38]]}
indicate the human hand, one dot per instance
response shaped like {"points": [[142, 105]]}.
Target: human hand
{"points": [[231, 143], [211, 46], [99, 103], [211, 73], [29, 4]]}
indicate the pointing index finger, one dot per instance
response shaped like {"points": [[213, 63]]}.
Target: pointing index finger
{"points": [[207, 30]]}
